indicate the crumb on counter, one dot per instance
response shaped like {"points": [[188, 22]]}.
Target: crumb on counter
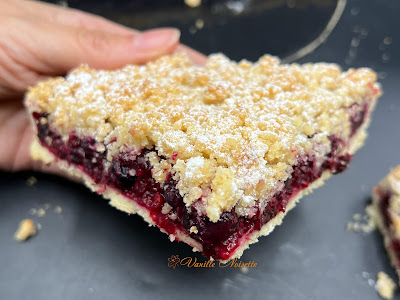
{"points": [[31, 181], [58, 209], [244, 270], [192, 30], [385, 286], [25, 230], [199, 23], [193, 3], [364, 223], [41, 212]]}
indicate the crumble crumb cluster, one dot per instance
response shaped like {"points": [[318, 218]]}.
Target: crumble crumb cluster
{"points": [[385, 286], [365, 223], [25, 230], [31, 181], [227, 132]]}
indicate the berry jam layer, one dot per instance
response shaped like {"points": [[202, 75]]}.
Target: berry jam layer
{"points": [[384, 197], [130, 174]]}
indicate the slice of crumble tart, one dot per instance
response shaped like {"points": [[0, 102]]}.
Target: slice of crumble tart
{"points": [[214, 156], [386, 204]]}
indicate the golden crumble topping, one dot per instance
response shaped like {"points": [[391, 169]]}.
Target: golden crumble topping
{"points": [[228, 132]]}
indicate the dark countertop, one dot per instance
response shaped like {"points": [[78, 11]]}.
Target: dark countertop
{"points": [[92, 251]]}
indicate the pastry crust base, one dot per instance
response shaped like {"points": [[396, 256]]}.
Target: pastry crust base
{"points": [[118, 201]]}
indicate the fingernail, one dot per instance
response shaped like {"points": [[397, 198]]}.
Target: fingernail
{"points": [[156, 39]]}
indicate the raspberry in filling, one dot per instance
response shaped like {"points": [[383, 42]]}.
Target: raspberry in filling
{"points": [[130, 174]]}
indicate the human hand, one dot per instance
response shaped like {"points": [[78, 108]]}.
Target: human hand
{"points": [[39, 40]]}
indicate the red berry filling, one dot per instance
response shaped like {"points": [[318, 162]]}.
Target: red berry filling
{"points": [[357, 115], [130, 174], [395, 247], [384, 207], [385, 196]]}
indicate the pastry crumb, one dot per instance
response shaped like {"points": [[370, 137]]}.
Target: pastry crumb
{"points": [[58, 209], [193, 3], [365, 223], [244, 270], [46, 206], [39, 226], [199, 23], [31, 181], [41, 212], [33, 211], [25, 230], [385, 286], [192, 29]]}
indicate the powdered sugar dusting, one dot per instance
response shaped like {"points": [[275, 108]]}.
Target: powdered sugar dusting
{"points": [[193, 166]]}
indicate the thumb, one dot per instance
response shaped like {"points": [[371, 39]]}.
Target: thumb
{"points": [[53, 49], [107, 50]]}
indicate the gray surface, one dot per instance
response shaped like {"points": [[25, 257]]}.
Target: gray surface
{"points": [[95, 252]]}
